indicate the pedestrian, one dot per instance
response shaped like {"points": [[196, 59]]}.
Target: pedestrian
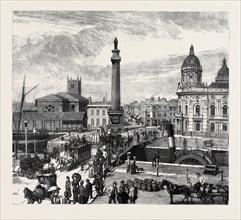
{"points": [[201, 182], [112, 193], [54, 197], [75, 184], [123, 193], [128, 162], [88, 189], [66, 199], [98, 184], [82, 193], [200, 179], [190, 187], [133, 193], [68, 185]]}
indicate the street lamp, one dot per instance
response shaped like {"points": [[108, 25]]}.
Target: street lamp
{"points": [[26, 137], [34, 132], [109, 136]]}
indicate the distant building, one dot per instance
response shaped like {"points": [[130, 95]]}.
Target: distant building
{"points": [[97, 114], [152, 112], [60, 111], [202, 109]]}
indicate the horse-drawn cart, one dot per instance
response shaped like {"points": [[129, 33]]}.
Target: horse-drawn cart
{"points": [[209, 193]]}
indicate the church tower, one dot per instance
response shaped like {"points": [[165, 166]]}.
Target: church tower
{"points": [[191, 70], [74, 85]]}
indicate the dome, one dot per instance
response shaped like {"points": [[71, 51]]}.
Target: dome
{"points": [[224, 71], [191, 59]]}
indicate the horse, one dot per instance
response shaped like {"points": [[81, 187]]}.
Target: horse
{"points": [[32, 196], [63, 162], [174, 189]]}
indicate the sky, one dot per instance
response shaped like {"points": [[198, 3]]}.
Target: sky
{"points": [[48, 46]]}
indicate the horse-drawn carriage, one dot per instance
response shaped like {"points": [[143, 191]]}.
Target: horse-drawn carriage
{"points": [[29, 166], [47, 183]]}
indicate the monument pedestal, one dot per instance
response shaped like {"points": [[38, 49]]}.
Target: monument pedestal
{"points": [[116, 120]]}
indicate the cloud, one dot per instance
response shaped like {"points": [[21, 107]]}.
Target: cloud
{"points": [[49, 45]]}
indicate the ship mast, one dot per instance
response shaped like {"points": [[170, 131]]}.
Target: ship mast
{"points": [[20, 113]]}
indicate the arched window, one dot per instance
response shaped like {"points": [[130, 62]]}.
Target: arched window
{"points": [[186, 108], [73, 108], [225, 128], [197, 110], [186, 125], [92, 123], [212, 108], [225, 110], [180, 108], [212, 127]]}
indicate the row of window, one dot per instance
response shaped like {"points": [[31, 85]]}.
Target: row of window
{"points": [[212, 127], [212, 110], [98, 112], [98, 122]]}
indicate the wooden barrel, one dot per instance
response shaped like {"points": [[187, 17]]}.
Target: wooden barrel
{"points": [[154, 185], [149, 187], [143, 186], [138, 185]]}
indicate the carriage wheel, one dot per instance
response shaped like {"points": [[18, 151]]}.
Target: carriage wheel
{"points": [[29, 173], [21, 172]]}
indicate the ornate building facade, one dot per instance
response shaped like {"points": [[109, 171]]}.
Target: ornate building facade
{"points": [[202, 109]]}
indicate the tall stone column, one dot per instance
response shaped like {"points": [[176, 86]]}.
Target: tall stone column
{"points": [[115, 85], [116, 111]]}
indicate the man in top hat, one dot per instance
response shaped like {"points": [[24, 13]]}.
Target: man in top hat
{"points": [[112, 193], [88, 189]]}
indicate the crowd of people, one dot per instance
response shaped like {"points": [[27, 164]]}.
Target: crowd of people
{"points": [[125, 194]]}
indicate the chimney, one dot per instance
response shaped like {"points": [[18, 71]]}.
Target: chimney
{"points": [[90, 100], [152, 98], [159, 99], [104, 99]]}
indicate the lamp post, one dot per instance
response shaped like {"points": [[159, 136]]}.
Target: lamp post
{"points": [[109, 145], [26, 137], [34, 132]]}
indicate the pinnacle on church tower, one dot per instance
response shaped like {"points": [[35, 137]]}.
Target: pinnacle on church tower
{"points": [[191, 50]]}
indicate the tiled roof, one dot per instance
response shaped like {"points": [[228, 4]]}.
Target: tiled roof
{"points": [[71, 96], [62, 96], [219, 85], [51, 97], [52, 116]]}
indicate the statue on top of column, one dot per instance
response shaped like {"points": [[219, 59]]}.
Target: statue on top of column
{"points": [[115, 43]]}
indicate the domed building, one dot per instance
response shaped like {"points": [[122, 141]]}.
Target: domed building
{"points": [[202, 109]]}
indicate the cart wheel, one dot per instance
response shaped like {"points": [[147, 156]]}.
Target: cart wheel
{"points": [[29, 173], [207, 200], [21, 172], [225, 199], [39, 201]]}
